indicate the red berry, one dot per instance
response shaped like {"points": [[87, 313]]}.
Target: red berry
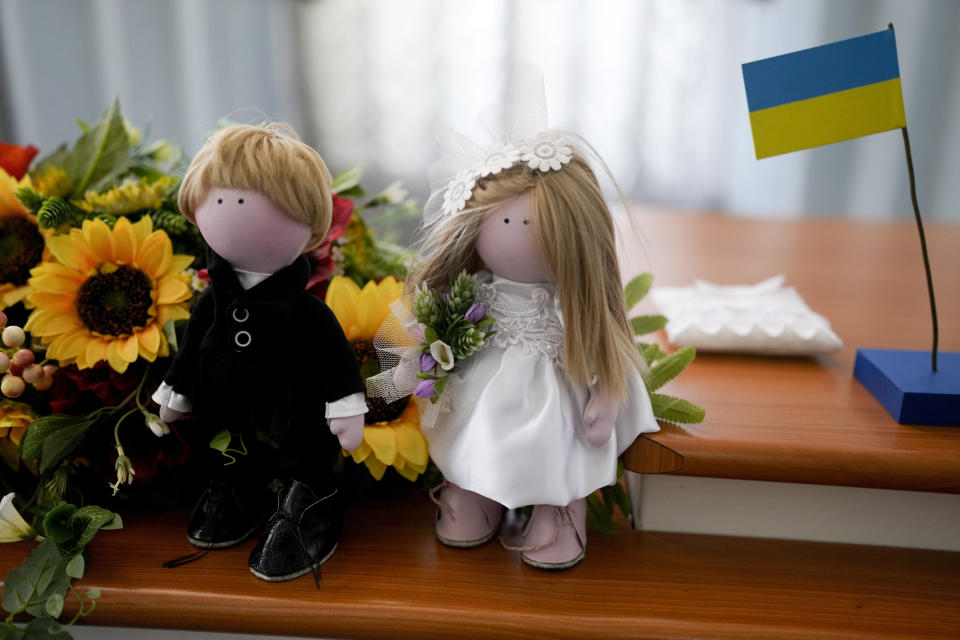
{"points": [[3, 319], [4, 362], [32, 373], [49, 370], [43, 383], [23, 358], [15, 369]]}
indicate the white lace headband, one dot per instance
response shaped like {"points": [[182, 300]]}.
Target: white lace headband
{"points": [[517, 132], [547, 151]]}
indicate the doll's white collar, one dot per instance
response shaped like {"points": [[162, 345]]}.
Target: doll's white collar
{"points": [[250, 279]]}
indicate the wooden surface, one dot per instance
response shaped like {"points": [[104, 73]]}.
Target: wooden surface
{"points": [[391, 579], [802, 420], [807, 419]]}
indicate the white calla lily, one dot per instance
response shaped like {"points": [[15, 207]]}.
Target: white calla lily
{"points": [[443, 354], [13, 527]]}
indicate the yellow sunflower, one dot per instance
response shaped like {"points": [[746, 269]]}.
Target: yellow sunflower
{"points": [[128, 197], [15, 417], [391, 437], [21, 242], [106, 294]]}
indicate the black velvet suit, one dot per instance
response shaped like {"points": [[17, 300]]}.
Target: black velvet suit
{"points": [[267, 359]]}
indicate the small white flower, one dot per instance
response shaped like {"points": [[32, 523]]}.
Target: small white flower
{"points": [[443, 354], [395, 192], [496, 158], [158, 426], [196, 283], [12, 525], [548, 151], [458, 192]]}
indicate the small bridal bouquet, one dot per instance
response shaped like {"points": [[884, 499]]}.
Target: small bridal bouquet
{"points": [[452, 326]]}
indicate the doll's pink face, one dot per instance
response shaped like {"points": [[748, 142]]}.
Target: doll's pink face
{"points": [[507, 244], [250, 230]]}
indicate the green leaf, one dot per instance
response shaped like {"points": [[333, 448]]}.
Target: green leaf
{"points": [[75, 569], [45, 628], [50, 438], [670, 367], [54, 605], [620, 497], [113, 525], [170, 333], [430, 334], [440, 385], [57, 523], [676, 410], [647, 324], [221, 441], [598, 517], [355, 191], [652, 352], [486, 322], [29, 584], [10, 632], [608, 501], [347, 179], [93, 593], [637, 288], [88, 521], [101, 154], [426, 375]]}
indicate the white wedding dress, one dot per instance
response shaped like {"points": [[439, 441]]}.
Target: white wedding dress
{"points": [[512, 430]]}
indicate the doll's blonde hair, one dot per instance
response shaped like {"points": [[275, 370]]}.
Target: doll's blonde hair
{"points": [[576, 236], [267, 158]]}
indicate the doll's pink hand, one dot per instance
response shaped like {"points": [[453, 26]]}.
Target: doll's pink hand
{"points": [[599, 416], [349, 431], [171, 415]]}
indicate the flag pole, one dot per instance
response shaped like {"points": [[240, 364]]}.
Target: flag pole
{"points": [[923, 239], [923, 244]]}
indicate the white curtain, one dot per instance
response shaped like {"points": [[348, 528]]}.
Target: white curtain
{"points": [[655, 85]]}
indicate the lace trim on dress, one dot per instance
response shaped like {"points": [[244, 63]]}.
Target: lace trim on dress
{"points": [[532, 325]]}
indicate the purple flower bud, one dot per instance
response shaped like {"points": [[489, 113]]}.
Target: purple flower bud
{"points": [[424, 389], [427, 362], [476, 313], [418, 332]]}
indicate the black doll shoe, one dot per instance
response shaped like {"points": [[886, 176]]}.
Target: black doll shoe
{"points": [[226, 515], [300, 536]]}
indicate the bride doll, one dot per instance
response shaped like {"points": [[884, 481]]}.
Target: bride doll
{"points": [[540, 415]]}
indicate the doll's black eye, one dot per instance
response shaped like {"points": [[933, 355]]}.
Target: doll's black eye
{"points": [[506, 220], [240, 200], [526, 222], [219, 200]]}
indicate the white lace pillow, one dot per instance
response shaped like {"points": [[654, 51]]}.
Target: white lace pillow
{"points": [[764, 318]]}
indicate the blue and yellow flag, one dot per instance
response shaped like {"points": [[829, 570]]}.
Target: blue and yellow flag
{"points": [[826, 94]]}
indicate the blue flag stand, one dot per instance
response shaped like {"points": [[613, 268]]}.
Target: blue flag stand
{"points": [[913, 386]]}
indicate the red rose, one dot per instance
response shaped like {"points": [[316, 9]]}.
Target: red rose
{"points": [[321, 262], [15, 160]]}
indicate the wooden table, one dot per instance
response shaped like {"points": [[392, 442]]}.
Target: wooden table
{"points": [[807, 419], [799, 420]]}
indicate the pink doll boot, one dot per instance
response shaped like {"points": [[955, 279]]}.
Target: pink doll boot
{"points": [[465, 519], [556, 537]]}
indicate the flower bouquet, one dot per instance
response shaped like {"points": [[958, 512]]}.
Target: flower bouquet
{"points": [[452, 327]]}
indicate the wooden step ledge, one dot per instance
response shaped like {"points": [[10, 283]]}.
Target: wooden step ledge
{"points": [[391, 579]]}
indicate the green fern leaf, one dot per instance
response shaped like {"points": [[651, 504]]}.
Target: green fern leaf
{"points": [[643, 325], [637, 288], [670, 367], [676, 410]]}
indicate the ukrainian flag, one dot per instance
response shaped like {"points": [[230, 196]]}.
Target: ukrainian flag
{"points": [[826, 94]]}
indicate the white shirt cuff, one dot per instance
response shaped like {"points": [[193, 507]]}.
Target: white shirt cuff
{"points": [[165, 396], [351, 405]]}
